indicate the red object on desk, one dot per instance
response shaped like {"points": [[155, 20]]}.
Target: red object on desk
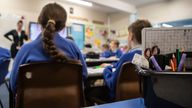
{"points": [[172, 66], [175, 62]]}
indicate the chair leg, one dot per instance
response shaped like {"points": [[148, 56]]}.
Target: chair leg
{"points": [[11, 99], [1, 104]]}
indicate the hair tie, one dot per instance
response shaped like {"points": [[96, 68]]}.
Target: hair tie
{"points": [[51, 21]]}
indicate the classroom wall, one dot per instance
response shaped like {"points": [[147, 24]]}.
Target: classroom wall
{"points": [[169, 10], [119, 20], [30, 9]]}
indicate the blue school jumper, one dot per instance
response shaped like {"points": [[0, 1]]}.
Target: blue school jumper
{"points": [[117, 53], [4, 54], [106, 54], [34, 51], [110, 77]]}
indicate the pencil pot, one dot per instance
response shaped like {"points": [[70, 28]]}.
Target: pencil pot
{"points": [[167, 89]]}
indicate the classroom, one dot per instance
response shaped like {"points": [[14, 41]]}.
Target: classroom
{"points": [[126, 54]]}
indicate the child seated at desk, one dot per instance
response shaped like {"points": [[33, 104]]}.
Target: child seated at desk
{"points": [[105, 51], [134, 41], [49, 46], [115, 50]]}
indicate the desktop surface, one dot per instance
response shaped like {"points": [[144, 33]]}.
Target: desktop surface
{"points": [[96, 62]]}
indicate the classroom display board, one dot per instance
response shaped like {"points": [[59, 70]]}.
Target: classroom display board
{"points": [[168, 40], [77, 32], [96, 35], [82, 34]]}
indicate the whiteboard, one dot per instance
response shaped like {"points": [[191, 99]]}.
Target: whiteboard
{"points": [[7, 23], [168, 40]]}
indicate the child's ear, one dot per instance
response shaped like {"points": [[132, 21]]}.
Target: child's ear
{"points": [[131, 36]]}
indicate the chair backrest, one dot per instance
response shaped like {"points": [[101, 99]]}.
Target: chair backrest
{"points": [[128, 82], [50, 85], [4, 70]]}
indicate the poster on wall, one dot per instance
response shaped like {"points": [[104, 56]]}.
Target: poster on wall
{"points": [[77, 32], [101, 35], [96, 35], [89, 31]]}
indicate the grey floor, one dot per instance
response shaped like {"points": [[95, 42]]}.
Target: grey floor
{"points": [[4, 96]]}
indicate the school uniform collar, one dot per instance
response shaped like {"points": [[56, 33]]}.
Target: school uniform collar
{"points": [[137, 47], [57, 34]]}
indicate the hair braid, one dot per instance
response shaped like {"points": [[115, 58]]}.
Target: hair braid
{"points": [[52, 19], [49, 45]]}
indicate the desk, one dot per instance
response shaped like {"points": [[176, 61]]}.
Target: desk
{"points": [[96, 62], [92, 72], [96, 72], [94, 75], [133, 103]]}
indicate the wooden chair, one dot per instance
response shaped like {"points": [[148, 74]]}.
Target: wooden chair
{"points": [[50, 85], [128, 83]]}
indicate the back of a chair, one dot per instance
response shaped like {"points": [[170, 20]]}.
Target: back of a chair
{"points": [[4, 70], [50, 85], [128, 82]]}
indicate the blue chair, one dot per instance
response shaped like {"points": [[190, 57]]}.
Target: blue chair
{"points": [[3, 72]]}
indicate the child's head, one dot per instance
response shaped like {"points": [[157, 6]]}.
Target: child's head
{"points": [[155, 50], [114, 44], [105, 47], [135, 31], [147, 53], [52, 19]]}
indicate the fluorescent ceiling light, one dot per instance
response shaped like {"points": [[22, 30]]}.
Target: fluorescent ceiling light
{"points": [[166, 25], [81, 2]]}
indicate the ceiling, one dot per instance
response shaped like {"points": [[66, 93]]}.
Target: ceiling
{"points": [[105, 9], [139, 3], [96, 6], [109, 10]]}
